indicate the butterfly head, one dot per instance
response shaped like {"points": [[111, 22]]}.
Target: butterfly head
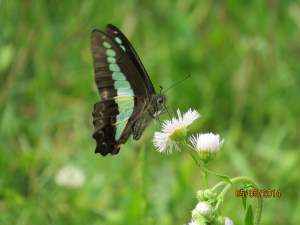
{"points": [[157, 102], [162, 99]]}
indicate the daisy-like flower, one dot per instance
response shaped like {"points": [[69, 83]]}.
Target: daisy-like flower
{"points": [[173, 131], [207, 145], [228, 221], [70, 177]]}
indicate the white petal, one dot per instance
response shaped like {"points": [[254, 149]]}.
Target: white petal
{"points": [[179, 115], [190, 116]]}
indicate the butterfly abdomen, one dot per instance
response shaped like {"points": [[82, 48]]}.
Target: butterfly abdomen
{"points": [[140, 125]]}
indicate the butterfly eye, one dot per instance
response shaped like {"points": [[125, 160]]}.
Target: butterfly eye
{"points": [[160, 100]]}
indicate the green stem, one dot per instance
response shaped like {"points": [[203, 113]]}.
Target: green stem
{"points": [[198, 164], [205, 176], [259, 208], [219, 184]]}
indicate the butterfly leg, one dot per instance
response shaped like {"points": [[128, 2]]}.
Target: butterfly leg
{"points": [[154, 119], [157, 118], [171, 111], [165, 115], [166, 110]]}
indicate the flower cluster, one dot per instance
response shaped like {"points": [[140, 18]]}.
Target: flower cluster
{"points": [[207, 146], [206, 211], [175, 130]]}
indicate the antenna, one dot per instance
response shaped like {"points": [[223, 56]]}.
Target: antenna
{"points": [[160, 89], [175, 84]]}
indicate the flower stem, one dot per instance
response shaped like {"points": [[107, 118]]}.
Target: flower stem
{"points": [[205, 176], [219, 184], [198, 164], [259, 208]]}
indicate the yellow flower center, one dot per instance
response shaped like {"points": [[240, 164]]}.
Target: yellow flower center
{"points": [[178, 134]]}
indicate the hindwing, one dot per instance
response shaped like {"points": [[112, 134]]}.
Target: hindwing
{"points": [[113, 125]]}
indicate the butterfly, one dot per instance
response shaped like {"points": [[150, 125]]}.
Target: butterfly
{"points": [[128, 99]]}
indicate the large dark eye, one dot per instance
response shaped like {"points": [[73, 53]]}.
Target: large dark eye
{"points": [[160, 100]]}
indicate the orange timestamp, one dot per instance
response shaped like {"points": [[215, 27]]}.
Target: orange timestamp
{"points": [[265, 193]]}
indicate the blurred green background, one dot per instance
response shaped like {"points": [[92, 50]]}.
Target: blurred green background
{"points": [[243, 57]]}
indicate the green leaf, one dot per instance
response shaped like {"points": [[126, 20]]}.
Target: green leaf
{"points": [[249, 216], [226, 178], [244, 200]]}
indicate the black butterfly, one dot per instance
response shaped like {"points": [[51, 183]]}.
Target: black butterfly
{"points": [[129, 100]]}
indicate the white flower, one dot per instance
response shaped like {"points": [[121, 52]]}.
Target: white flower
{"points": [[206, 142], [207, 145], [193, 223], [204, 209], [174, 130], [228, 221], [70, 177], [203, 213]]}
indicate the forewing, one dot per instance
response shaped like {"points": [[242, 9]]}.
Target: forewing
{"points": [[114, 70], [119, 37]]}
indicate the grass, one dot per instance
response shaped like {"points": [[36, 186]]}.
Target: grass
{"points": [[243, 58]]}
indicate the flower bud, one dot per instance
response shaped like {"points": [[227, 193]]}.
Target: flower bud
{"points": [[203, 210], [210, 194], [200, 195], [207, 145], [220, 220]]}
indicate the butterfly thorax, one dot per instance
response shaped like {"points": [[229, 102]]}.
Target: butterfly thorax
{"points": [[153, 108]]}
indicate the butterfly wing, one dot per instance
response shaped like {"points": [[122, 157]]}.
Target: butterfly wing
{"points": [[122, 90], [131, 53]]}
